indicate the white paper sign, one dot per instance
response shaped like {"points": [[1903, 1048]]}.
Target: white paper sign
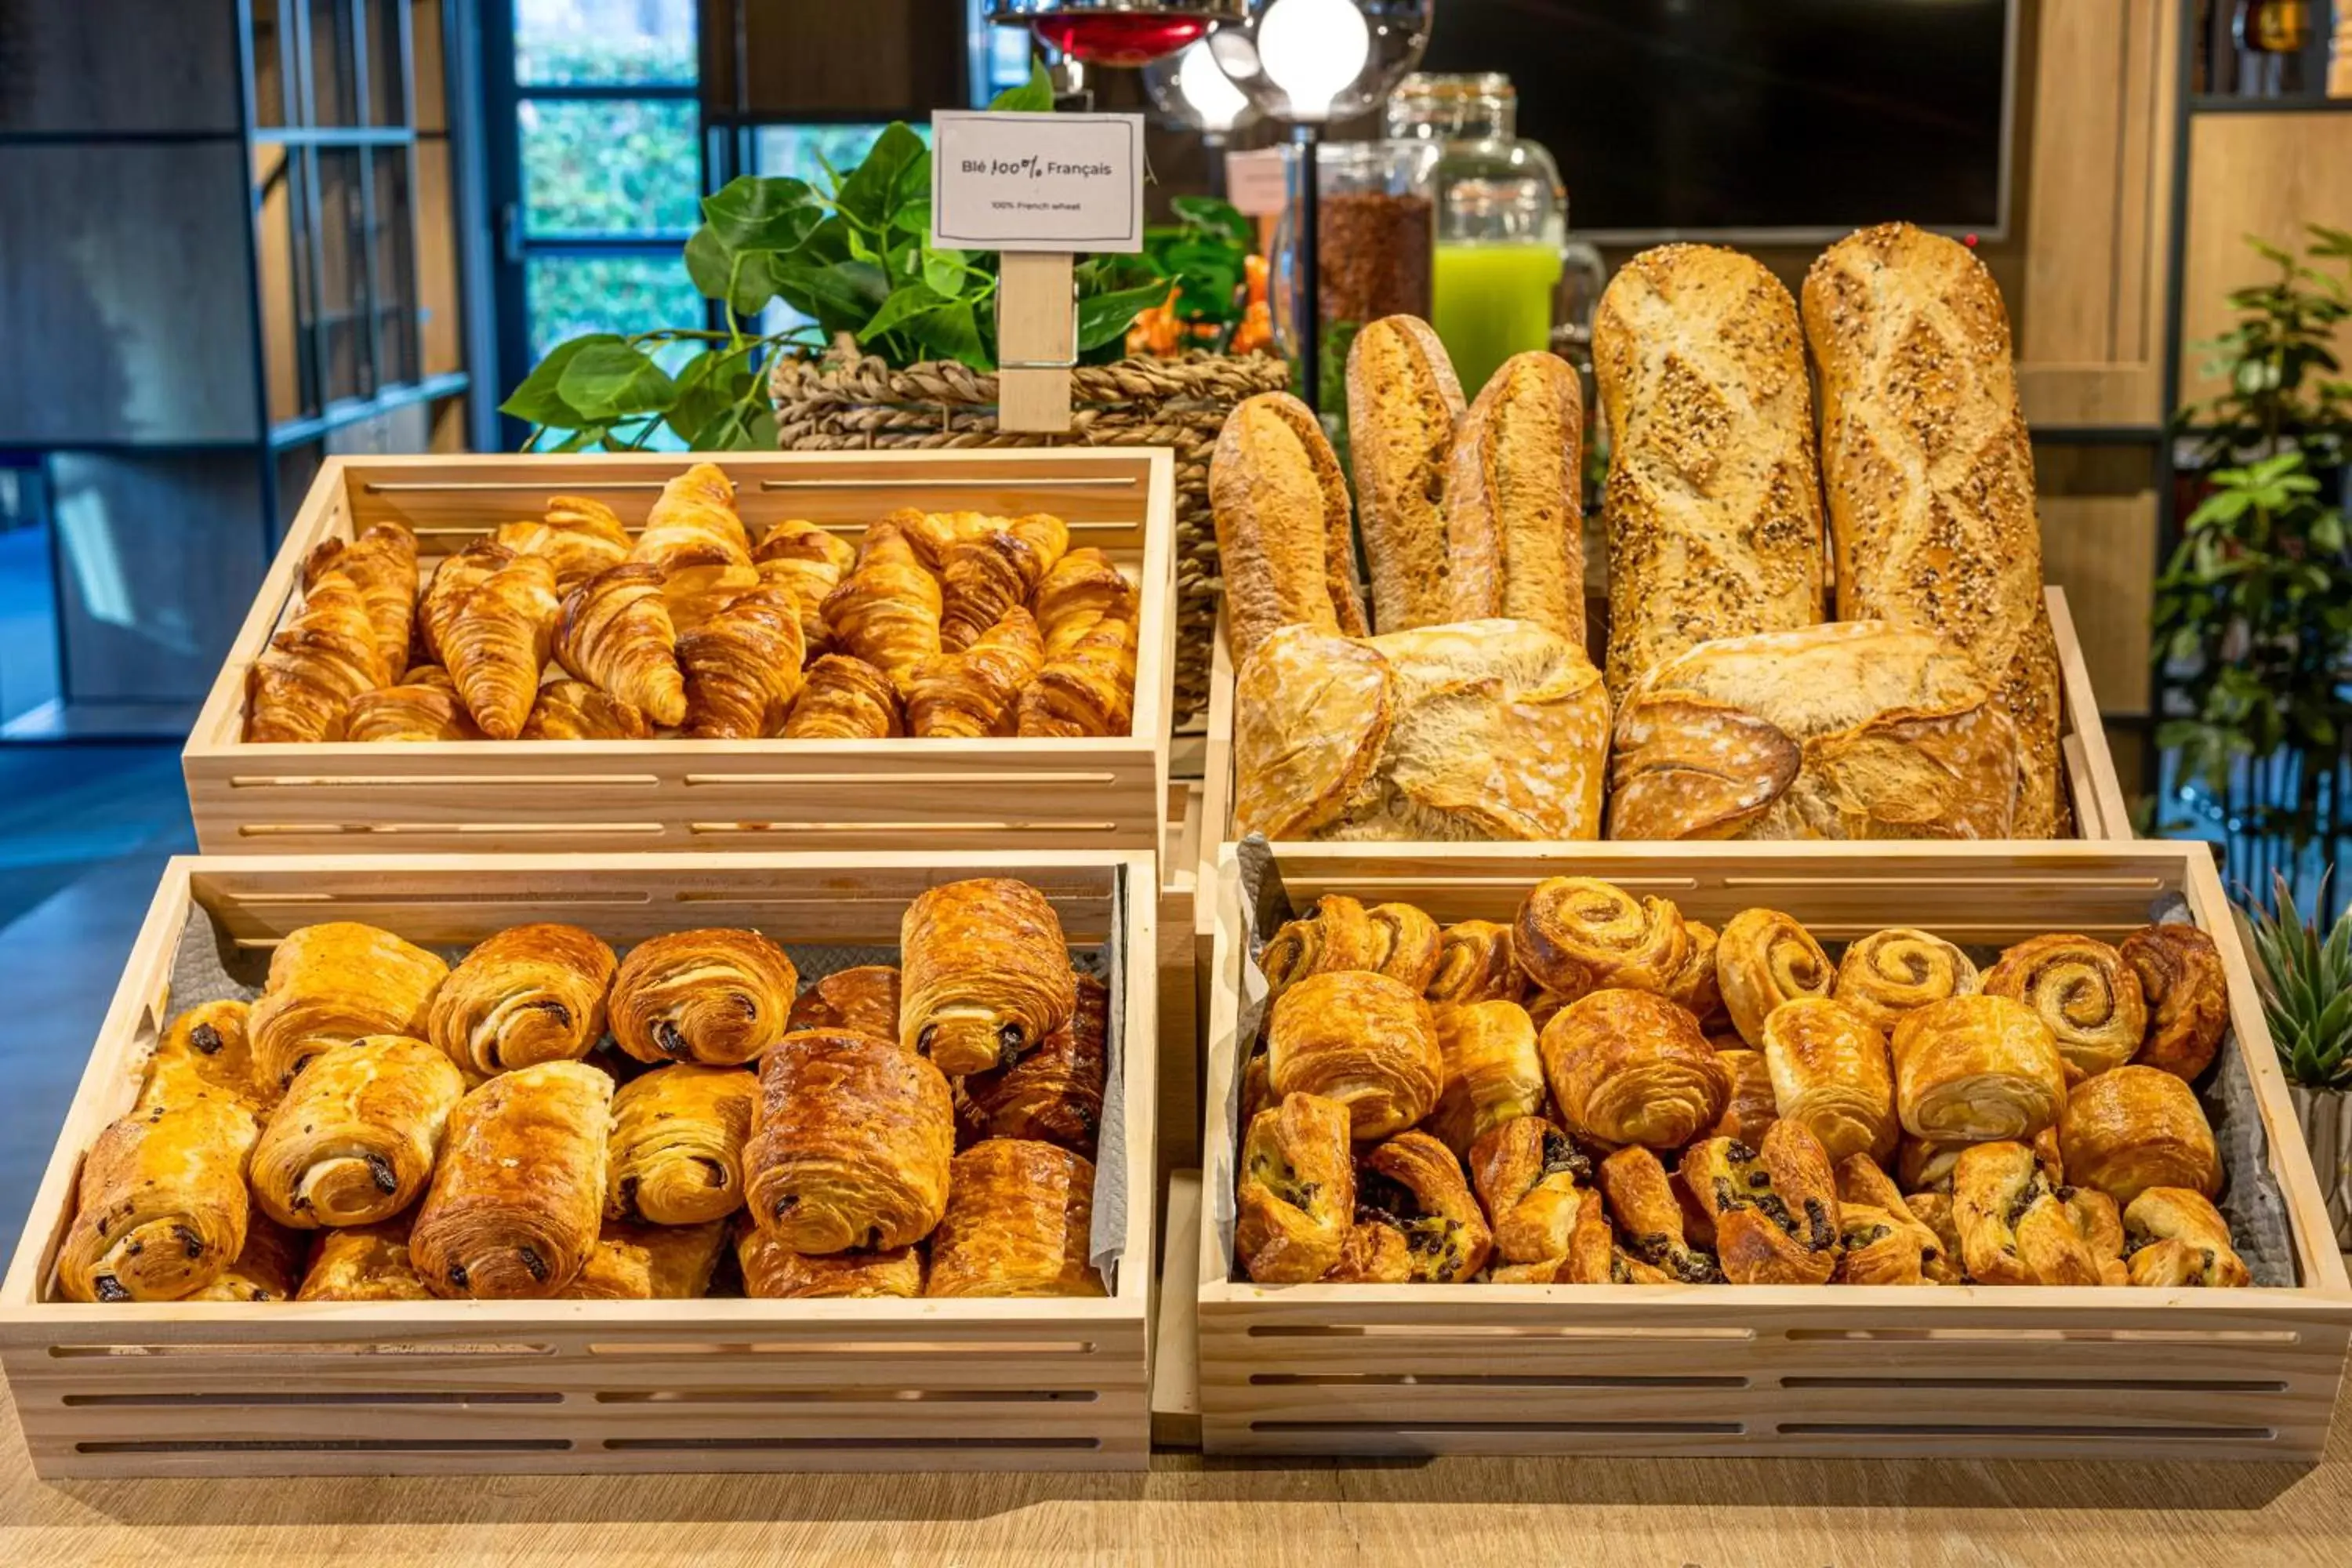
{"points": [[1037, 182], [1258, 183]]}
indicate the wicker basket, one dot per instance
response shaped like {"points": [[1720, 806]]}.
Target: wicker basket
{"points": [[844, 401]]}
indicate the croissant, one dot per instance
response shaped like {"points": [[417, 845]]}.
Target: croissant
{"points": [[887, 611], [1889, 973], [2135, 1127], [2176, 1236], [516, 1201], [1360, 1038], [1628, 1066], [1650, 1217], [700, 581], [1083, 587], [773, 1271], [445, 593], [363, 1263], [864, 1000], [332, 983], [381, 565], [2014, 1228], [1977, 1069], [985, 574], [634, 1262], [269, 1268], [1578, 935], [531, 993], [1085, 690], [302, 686], [844, 699], [615, 632], [1055, 1094], [694, 510], [424, 707], [1773, 1206], [812, 562], [986, 973], [500, 641], [1830, 1075], [355, 1138], [1297, 1191], [579, 536], [161, 1208], [967, 695], [1019, 1221], [1864, 1187], [850, 1142], [2085, 990], [715, 997], [1492, 1072], [2187, 998], [208, 1049], [1475, 965], [1526, 1172], [743, 667], [1753, 1106], [1763, 959], [1412, 1184], [575, 710]]}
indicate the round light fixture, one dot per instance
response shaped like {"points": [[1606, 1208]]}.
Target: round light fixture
{"points": [[1313, 61], [1117, 32], [1191, 89]]}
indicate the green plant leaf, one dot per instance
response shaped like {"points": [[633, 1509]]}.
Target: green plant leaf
{"points": [[1112, 290], [950, 331], [897, 171], [710, 265], [708, 387], [754, 212], [609, 378], [539, 399], [908, 299], [946, 270], [1035, 96], [1222, 219], [842, 297]]}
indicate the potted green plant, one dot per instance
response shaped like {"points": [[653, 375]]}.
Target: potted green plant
{"points": [[2307, 984]]}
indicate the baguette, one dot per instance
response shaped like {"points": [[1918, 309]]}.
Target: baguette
{"points": [[1930, 472], [1514, 499], [1713, 505], [1283, 534], [1402, 401]]}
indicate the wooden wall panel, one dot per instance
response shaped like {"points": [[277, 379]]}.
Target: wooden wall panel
{"points": [[2267, 174], [118, 65], [2098, 543]]}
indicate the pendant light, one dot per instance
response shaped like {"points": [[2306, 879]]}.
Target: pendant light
{"points": [[1117, 32]]}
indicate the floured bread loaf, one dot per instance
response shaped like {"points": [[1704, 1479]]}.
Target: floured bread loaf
{"points": [[1311, 713], [1283, 537], [1851, 729]]}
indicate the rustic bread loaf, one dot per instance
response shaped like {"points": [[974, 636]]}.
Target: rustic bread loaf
{"points": [[1311, 713], [1283, 533], [1403, 401], [1930, 475], [1851, 729], [1514, 499], [1713, 505]]}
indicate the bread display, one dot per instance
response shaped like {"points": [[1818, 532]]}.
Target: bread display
{"points": [[1283, 535], [1018, 1220], [717, 997], [2135, 1127], [1361, 1039], [332, 983], [676, 1144], [985, 974], [1763, 960], [531, 993], [516, 1201], [1713, 502], [850, 1142], [1312, 715], [355, 1139], [1977, 1069]]}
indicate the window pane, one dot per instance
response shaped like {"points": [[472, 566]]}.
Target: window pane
{"points": [[575, 294], [575, 41], [802, 152], [605, 167], [334, 98], [387, 84], [395, 269], [286, 358], [343, 277]]}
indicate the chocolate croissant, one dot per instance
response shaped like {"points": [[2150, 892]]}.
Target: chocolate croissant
{"points": [[715, 997], [1629, 1066], [1754, 1105], [1412, 1184], [2174, 1236], [1889, 973], [575, 710], [381, 565], [614, 631], [694, 510], [1579, 934], [1055, 1094], [986, 973], [850, 1142], [632, 1262], [1492, 1072], [208, 1049], [1773, 1207], [772, 1271], [1296, 1199], [989, 573], [1763, 959], [2135, 1127], [1085, 588], [1085, 688], [363, 1263], [1650, 1218], [269, 1268], [1019, 1221], [1526, 1172], [970, 694], [500, 641], [2085, 990], [2187, 997], [162, 1209], [1831, 1075], [2014, 1228], [1363, 1039], [676, 1150], [1975, 1069], [332, 983], [887, 611], [743, 667], [864, 1000], [518, 1195], [579, 535], [844, 699], [424, 707], [531, 993], [811, 561], [302, 686], [355, 1139], [1475, 965]]}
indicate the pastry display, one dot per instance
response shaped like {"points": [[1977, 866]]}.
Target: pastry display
{"points": [[1772, 1206], [381, 565], [162, 1207]]}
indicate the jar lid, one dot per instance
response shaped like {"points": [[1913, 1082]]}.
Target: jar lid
{"points": [[1446, 87]]}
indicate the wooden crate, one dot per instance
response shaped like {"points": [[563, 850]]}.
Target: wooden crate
{"points": [[319, 1388], [485, 796], [1179, 976], [2120, 1373]]}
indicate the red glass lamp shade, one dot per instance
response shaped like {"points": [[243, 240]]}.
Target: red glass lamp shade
{"points": [[1118, 38]]}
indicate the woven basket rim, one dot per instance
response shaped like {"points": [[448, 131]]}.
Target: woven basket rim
{"points": [[805, 381]]}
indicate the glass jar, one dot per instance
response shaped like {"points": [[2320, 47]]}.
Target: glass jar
{"points": [[1504, 278], [1375, 231]]}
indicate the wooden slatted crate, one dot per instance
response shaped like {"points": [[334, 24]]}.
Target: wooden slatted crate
{"points": [[1855, 1372], [320, 1388], [486, 797]]}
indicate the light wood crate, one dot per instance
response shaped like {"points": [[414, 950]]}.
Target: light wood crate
{"points": [[1854, 1372], [444, 1387], [486, 797]]}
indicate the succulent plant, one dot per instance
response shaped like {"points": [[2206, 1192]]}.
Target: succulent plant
{"points": [[2306, 985]]}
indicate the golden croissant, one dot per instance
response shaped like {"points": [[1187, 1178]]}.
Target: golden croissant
{"points": [[424, 706], [743, 667], [381, 565], [966, 695], [575, 710], [615, 632], [700, 581], [695, 509], [989, 573], [812, 561], [1087, 691], [447, 590], [887, 611], [930, 533], [302, 686], [844, 699], [579, 537], [499, 642], [1084, 587]]}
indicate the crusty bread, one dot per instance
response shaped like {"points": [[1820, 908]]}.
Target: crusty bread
{"points": [[1929, 473], [1514, 499], [1283, 536], [1312, 711], [1403, 401], [1851, 729], [1713, 507]]}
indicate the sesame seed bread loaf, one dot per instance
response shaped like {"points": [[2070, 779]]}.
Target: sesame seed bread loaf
{"points": [[1282, 531], [1403, 401], [1850, 730], [1929, 474], [1713, 505], [1515, 500]]}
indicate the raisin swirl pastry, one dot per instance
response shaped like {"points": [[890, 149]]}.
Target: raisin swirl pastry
{"points": [[772, 1271], [355, 1139], [1526, 1172], [1766, 958], [1493, 1072], [1363, 1039], [864, 1000], [1977, 1069], [363, 1263], [1296, 1199], [1578, 935], [1889, 973], [851, 1138], [161, 1208], [1695, 988], [332, 983], [1773, 1208], [269, 1268], [1019, 1222], [1650, 1218], [2085, 990], [677, 1146], [1830, 1074], [1475, 965], [1411, 1186], [518, 1198], [986, 973], [1055, 1094], [2014, 1225], [2176, 1236], [715, 997], [1334, 936], [632, 1262], [2187, 998], [2135, 1128], [1629, 1066], [531, 993]]}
